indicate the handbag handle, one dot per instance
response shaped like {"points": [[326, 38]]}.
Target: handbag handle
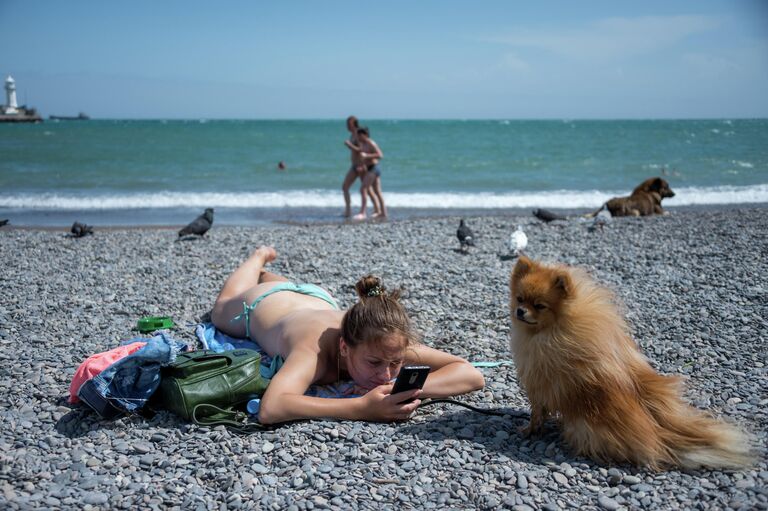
{"points": [[207, 356], [221, 417], [188, 364]]}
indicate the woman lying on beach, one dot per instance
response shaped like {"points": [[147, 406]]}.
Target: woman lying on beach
{"points": [[321, 344]]}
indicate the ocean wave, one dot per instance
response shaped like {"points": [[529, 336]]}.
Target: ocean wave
{"points": [[333, 199]]}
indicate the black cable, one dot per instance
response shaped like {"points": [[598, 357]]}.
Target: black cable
{"points": [[485, 411]]}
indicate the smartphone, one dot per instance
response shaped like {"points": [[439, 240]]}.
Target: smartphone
{"points": [[410, 377]]}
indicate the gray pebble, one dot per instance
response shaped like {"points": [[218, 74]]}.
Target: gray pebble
{"points": [[630, 479], [96, 498], [143, 448], [607, 503]]}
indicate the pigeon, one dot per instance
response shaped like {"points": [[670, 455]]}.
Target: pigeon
{"points": [[518, 241], [465, 235], [79, 230], [3, 222], [199, 225], [547, 216]]}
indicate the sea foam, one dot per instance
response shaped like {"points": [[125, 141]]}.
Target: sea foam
{"points": [[332, 199]]}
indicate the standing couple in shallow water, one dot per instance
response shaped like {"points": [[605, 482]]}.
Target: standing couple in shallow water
{"points": [[321, 344], [365, 156]]}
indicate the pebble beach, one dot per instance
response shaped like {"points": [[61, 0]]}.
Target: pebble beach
{"points": [[693, 284]]}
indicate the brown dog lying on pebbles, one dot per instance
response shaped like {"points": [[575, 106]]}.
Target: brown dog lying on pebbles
{"points": [[645, 200]]}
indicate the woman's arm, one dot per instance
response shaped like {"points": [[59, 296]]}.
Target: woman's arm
{"points": [[284, 399], [450, 375]]}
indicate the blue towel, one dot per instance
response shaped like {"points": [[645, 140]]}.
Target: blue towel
{"points": [[213, 339]]}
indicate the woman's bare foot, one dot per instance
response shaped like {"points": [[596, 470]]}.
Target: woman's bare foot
{"points": [[265, 253], [359, 216]]}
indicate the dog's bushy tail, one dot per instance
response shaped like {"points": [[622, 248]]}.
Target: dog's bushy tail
{"points": [[690, 436], [595, 213]]}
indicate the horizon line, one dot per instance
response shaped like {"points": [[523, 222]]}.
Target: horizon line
{"points": [[420, 119]]}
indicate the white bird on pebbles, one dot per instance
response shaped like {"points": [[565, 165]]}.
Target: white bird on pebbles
{"points": [[600, 221], [518, 241]]}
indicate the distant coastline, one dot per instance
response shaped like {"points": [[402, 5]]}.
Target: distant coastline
{"points": [[427, 120]]}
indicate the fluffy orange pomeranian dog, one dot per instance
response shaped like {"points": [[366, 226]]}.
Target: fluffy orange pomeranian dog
{"points": [[577, 361]]}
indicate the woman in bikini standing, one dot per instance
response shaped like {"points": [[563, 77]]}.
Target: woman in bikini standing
{"points": [[321, 344], [357, 169]]}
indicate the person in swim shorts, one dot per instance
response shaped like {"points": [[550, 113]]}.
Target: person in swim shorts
{"points": [[370, 155], [321, 344], [356, 169]]}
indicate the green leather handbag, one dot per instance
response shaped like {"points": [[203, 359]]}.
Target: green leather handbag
{"points": [[205, 386]]}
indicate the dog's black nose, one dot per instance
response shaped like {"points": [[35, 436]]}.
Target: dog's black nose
{"points": [[520, 312]]}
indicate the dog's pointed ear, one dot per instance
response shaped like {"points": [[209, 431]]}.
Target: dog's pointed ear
{"points": [[522, 267], [657, 184], [563, 283]]}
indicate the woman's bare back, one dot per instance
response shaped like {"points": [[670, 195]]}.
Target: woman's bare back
{"points": [[281, 327], [282, 320]]}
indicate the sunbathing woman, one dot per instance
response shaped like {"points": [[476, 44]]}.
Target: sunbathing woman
{"points": [[321, 344]]}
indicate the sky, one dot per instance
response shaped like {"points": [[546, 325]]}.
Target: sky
{"points": [[429, 59]]}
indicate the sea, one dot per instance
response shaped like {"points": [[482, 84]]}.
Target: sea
{"points": [[165, 172]]}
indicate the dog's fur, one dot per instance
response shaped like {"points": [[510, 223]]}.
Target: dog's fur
{"points": [[644, 200], [577, 361]]}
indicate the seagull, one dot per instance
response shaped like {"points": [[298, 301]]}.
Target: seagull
{"points": [[79, 230], [199, 225], [601, 219], [547, 216], [465, 235], [518, 241]]}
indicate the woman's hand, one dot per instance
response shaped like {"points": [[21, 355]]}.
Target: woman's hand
{"points": [[382, 406]]}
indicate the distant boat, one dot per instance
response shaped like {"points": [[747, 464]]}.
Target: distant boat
{"points": [[79, 117]]}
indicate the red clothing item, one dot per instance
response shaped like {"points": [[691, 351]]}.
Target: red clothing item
{"points": [[95, 364]]}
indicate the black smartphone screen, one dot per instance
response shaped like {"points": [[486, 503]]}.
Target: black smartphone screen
{"points": [[410, 377]]}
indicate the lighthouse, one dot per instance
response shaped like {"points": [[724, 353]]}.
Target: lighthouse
{"points": [[11, 107], [11, 111]]}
